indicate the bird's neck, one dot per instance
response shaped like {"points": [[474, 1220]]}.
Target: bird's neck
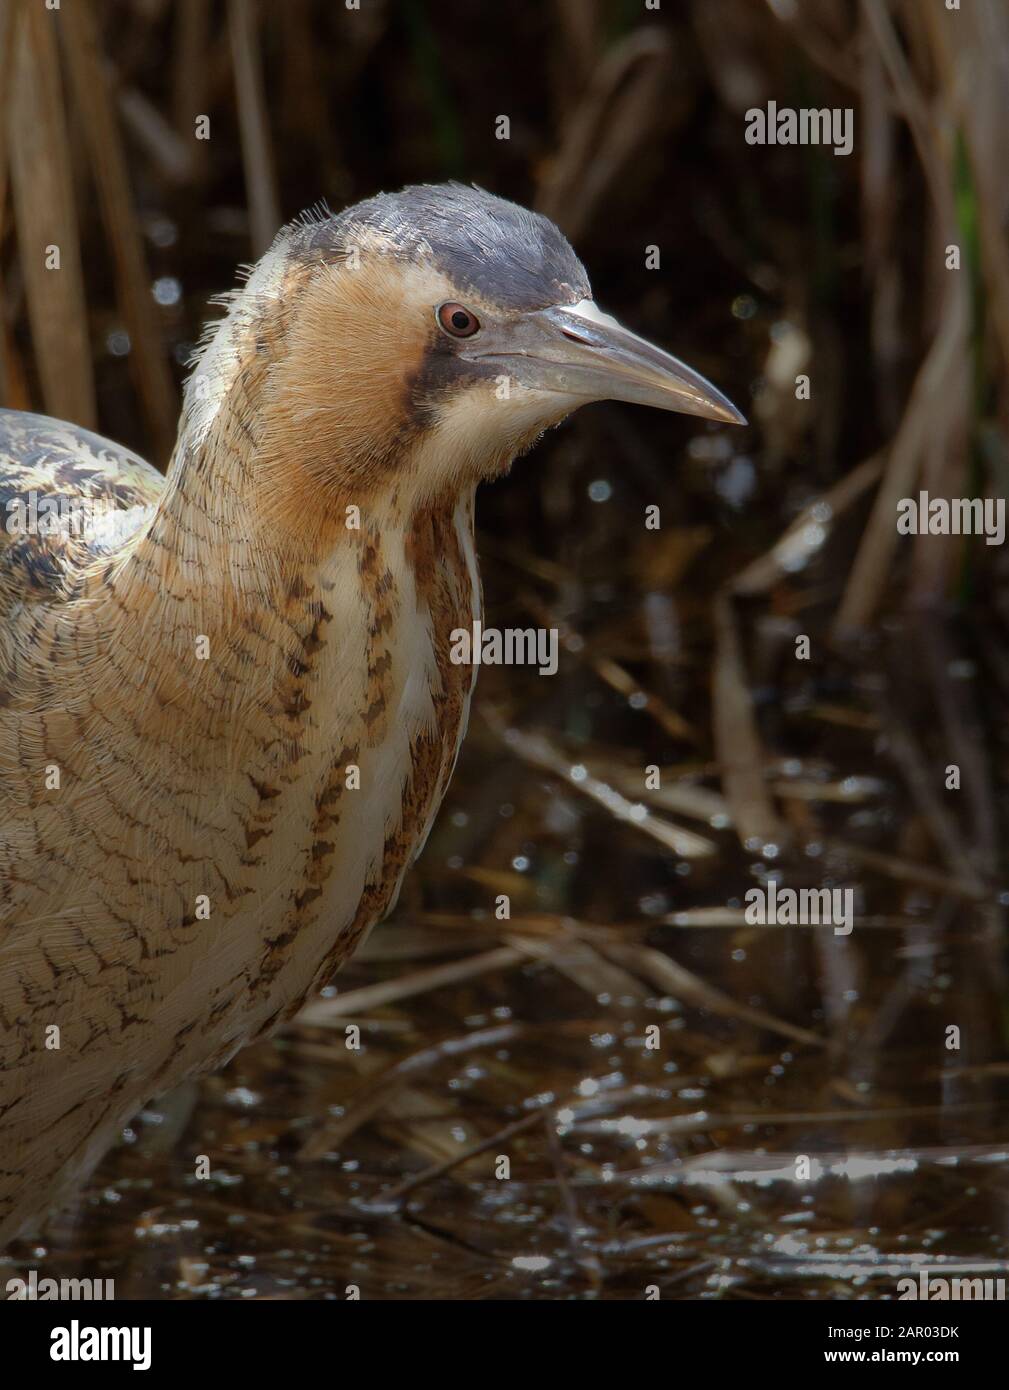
{"points": [[244, 516], [239, 553]]}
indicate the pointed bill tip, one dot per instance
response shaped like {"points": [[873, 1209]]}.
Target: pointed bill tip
{"points": [[617, 364], [726, 412]]}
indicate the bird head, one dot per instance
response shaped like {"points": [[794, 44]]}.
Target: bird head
{"points": [[431, 335]]}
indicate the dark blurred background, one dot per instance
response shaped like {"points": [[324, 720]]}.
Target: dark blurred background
{"points": [[637, 1158]]}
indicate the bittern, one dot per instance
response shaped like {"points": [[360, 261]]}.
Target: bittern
{"points": [[228, 711]]}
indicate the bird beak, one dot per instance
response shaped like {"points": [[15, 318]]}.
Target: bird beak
{"points": [[575, 350]]}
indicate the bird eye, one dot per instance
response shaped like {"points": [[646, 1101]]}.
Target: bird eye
{"points": [[457, 320]]}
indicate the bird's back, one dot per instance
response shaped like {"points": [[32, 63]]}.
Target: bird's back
{"points": [[69, 502], [69, 499], [67, 496]]}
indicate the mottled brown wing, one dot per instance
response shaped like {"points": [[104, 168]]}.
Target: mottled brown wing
{"points": [[67, 496]]}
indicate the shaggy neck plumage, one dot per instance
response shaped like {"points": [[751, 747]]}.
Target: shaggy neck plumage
{"points": [[271, 480]]}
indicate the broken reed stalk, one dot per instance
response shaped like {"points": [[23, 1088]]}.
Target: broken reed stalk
{"points": [[8, 31], [47, 226], [264, 213], [95, 107]]}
